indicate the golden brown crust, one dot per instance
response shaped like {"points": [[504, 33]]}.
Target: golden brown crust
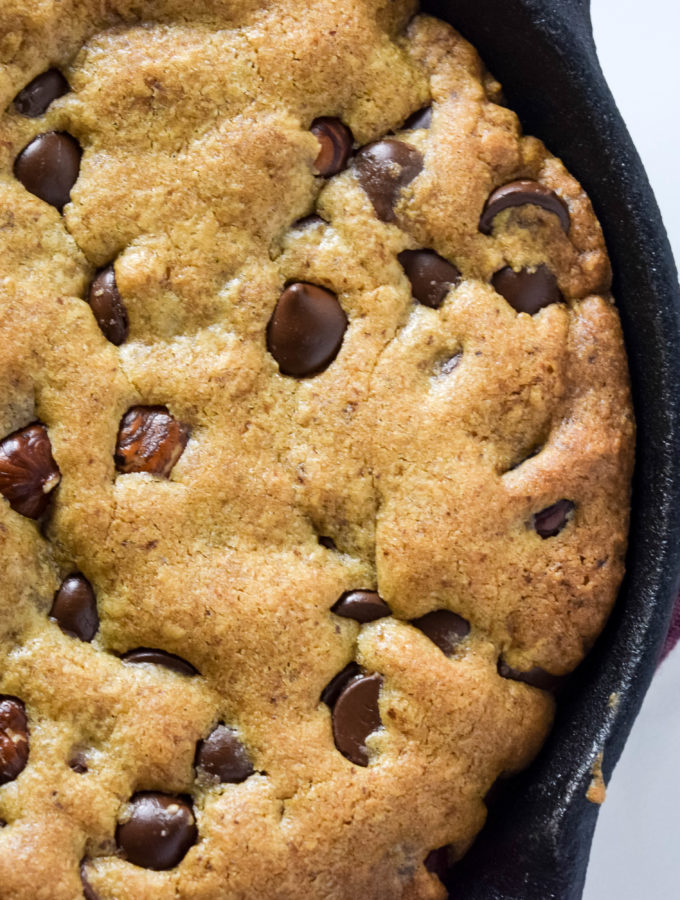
{"points": [[194, 119]]}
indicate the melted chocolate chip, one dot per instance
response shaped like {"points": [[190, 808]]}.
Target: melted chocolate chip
{"points": [[160, 658], [421, 118], [355, 716], [222, 756], [75, 608], [362, 606], [383, 169], [158, 831], [48, 167], [306, 329], [431, 276], [444, 628], [551, 520], [439, 861], [517, 193], [536, 676], [13, 738], [34, 99], [335, 141], [527, 291], [28, 473], [336, 685], [149, 440], [108, 307]]}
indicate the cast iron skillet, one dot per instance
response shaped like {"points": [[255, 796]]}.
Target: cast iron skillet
{"points": [[536, 843]]}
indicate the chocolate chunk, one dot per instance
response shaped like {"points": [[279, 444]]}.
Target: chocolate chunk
{"points": [[48, 167], [551, 520], [75, 608], [28, 473], [34, 99], [306, 329], [158, 830], [421, 118], [149, 440], [88, 890], [336, 142], [536, 676], [223, 756], [517, 193], [362, 606], [431, 276], [527, 291], [444, 628], [13, 738], [108, 307], [383, 169], [336, 685], [160, 658], [355, 716], [439, 861]]}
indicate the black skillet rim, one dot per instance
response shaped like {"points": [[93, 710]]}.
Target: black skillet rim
{"points": [[537, 840]]}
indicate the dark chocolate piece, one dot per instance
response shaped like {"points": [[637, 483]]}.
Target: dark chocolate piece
{"points": [[149, 440], [74, 608], [517, 193], [355, 716], [159, 831], [383, 169], [362, 606], [306, 330], [49, 166]]}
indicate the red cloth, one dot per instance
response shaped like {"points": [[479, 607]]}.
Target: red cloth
{"points": [[674, 631]]}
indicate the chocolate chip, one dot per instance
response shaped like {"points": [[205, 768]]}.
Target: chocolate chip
{"points": [[149, 440], [327, 542], [48, 167], [158, 830], [431, 276], [160, 658], [362, 606], [517, 193], [536, 676], [307, 222], [336, 685], [28, 473], [74, 608], [527, 291], [383, 169], [78, 762], [421, 118], [551, 520], [108, 307], [34, 99], [13, 738], [444, 628], [223, 756], [335, 141], [306, 329], [88, 890], [355, 716], [439, 861]]}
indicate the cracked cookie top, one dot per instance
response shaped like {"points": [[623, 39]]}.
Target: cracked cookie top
{"points": [[315, 447]]}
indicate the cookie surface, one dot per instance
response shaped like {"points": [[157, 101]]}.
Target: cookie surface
{"points": [[315, 447]]}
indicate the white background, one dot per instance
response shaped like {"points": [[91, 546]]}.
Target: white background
{"points": [[636, 851]]}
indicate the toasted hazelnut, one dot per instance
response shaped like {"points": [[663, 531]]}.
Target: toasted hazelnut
{"points": [[28, 473], [149, 440]]}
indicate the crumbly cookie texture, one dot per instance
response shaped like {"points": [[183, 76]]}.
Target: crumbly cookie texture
{"points": [[436, 449]]}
